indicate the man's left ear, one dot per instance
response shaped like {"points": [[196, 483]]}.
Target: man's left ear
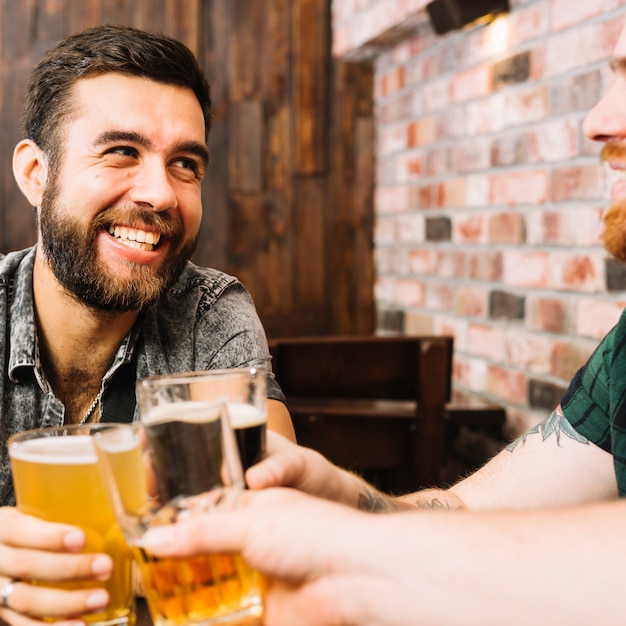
{"points": [[30, 170]]}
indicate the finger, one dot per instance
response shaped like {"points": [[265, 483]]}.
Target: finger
{"points": [[20, 530], [38, 601], [53, 566], [285, 465], [208, 532]]}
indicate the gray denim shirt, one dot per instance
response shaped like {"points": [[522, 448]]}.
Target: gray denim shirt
{"points": [[206, 321]]}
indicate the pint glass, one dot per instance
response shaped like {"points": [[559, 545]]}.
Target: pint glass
{"points": [[243, 389], [181, 460], [56, 478]]}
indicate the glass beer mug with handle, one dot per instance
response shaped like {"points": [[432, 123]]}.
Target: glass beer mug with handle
{"points": [[181, 460]]}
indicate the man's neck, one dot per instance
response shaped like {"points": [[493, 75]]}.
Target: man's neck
{"points": [[77, 343]]}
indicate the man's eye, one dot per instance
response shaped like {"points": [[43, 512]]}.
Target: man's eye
{"points": [[187, 164], [123, 151]]}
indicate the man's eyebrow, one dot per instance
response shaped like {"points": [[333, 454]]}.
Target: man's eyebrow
{"points": [[194, 147], [113, 136]]}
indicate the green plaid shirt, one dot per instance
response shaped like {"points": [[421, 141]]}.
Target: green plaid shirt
{"points": [[595, 402]]}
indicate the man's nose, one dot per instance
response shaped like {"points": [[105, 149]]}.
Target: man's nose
{"points": [[153, 186], [607, 120]]}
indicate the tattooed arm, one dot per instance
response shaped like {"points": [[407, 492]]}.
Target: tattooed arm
{"points": [[549, 465]]}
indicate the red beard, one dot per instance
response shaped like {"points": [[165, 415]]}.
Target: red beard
{"points": [[614, 233]]}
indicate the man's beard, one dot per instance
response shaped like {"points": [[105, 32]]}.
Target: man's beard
{"points": [[614, 233], [70, 251]]}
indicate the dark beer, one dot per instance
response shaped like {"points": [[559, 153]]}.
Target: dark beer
{"points": [[249, 426]]}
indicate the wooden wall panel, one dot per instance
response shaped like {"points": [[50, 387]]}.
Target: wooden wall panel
{"points": [[287, 198]]}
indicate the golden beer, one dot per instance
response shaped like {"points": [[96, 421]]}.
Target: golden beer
{"points": [[57, 478], [202, 589]]}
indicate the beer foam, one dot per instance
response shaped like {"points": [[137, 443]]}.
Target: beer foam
{"points": [[74, 450], [244, 415], [191, 411], [116, 440]]}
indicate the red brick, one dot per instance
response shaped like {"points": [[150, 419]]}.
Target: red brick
{"points": [[519, 188], [486, 342], [546, 226], [529, 105], [469, 228], [409, 292], [439, 296], [507, 384], [471, 84], [421, 261], [555, 141], [568, 357], [550, 315], [527, 351], [595, 318], [525, 269], [565, 13], [576, 272], [507, 228], [485, 265], [471, 301], [583, 182]]}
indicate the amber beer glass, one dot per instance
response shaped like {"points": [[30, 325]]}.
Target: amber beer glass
{"points": [[56, 478], [180, 460]]}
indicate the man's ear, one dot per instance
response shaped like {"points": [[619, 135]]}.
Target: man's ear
{"points": [[30, 170]]}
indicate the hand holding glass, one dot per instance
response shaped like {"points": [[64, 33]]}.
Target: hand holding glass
{"points": [[56, 478], [180, 461]]}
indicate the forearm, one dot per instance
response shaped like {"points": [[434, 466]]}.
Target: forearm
{"points": [[557, 567]]}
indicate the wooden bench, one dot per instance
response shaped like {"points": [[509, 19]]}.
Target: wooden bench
{"points": [[368, 403], [381, 406]]}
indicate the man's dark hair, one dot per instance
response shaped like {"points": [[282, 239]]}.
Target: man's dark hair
{"points": [[99, 50]]}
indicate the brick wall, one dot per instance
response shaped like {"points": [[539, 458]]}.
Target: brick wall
{"points": [[488, 196]]}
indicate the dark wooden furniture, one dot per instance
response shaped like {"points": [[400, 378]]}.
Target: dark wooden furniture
{"points": [[372, 404]]}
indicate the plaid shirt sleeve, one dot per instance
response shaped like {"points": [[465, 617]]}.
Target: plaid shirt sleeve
{"points": [[595, 402]]}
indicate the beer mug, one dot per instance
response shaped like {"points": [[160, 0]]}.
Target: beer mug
{"points": [[243, 389], [56, 478], [181, 460]]}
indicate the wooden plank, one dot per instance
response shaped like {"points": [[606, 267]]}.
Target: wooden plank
{"points": [[310, 250], [311, 62], [246, 45], [245, 170]]}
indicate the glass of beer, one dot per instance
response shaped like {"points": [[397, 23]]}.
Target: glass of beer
{"points": [[182, 459], [243, 389], [57, 478]]}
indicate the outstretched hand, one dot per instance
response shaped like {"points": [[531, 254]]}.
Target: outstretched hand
{"points": [[290, 465]]}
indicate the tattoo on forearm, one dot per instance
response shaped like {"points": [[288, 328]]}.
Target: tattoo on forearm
{"points": [[555, 425], [435, 503], [374, 502]]}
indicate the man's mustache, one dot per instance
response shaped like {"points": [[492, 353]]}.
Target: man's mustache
{"points": [[613, 151]]}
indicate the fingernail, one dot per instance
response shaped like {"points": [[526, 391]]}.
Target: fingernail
{"points": [[97, 599], [102, 565], [157, 539], [74, 539]]}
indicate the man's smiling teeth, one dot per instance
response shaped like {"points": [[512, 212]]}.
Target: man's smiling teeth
{"points": [[134, 238]]}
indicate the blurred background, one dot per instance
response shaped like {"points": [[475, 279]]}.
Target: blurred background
{"points": [[379, 167]]}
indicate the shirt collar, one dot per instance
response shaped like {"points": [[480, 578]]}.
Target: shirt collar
{"points": [[23, 336]]}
